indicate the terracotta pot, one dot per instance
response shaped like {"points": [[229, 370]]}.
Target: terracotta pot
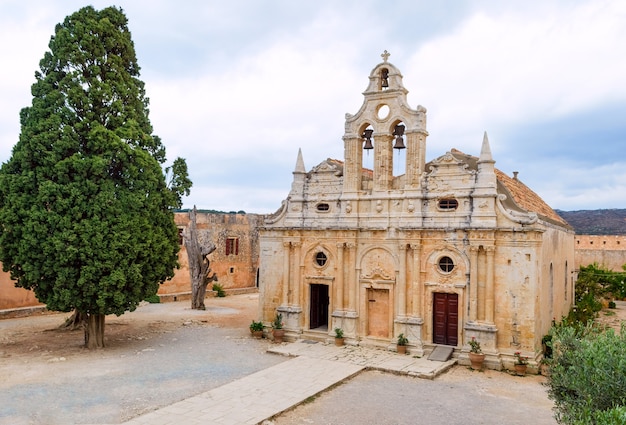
{"points": [[338, 342], [257, 334], [401, 349], [520, 369], [476, 360], [278, 335]]}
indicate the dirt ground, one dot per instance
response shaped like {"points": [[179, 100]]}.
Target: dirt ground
{"points": [[162, 353], [154, 356]]}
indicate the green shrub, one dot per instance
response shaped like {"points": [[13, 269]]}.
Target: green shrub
{"points": [[153, 299], [219, 289], [587, 379], [256, 326]]}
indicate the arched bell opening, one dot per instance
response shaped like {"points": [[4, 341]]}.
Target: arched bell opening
{"points": [[367, 157], [399, 148]]}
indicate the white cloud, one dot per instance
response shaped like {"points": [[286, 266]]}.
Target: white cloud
{"points": [[516, 65], [235, 86]]}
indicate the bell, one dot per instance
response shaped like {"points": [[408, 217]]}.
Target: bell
{"points": [[384, 76], [399, 143], [399, 132], [367, 135]]}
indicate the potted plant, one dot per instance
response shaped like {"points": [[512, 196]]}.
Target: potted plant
{"points": [[338, 337], [256, 329], [521, 363], [402, 343], [277, 328], [476, 355]]}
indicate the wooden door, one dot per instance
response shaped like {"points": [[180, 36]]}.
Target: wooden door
{"points": [[378, 313], [445, 319], [318, 310]]}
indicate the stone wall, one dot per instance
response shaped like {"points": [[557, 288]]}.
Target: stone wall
{"points": [[235, 272], [606, 250]]}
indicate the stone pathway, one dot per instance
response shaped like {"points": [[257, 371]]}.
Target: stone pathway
{"points": [[262, 395], [373, 359]]}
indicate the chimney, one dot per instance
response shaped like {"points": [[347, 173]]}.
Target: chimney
{"points": [[515, 173]]}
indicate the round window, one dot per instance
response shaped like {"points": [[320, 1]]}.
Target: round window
{"points": [[446, 264], [382, 112], [321, 259]]}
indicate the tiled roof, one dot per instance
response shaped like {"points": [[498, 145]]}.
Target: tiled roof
{"points": [[527, 199], [523, 197]]}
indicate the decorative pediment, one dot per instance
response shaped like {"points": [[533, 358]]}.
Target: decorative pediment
{"points": [[328, 166], [378, 274]]}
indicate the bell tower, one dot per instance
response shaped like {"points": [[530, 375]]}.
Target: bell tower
{"points": [[385, 123]]}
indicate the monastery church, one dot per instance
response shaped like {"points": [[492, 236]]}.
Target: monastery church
{"points": [[443, 252]]}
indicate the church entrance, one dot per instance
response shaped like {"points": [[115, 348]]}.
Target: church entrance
{"points": [[445, 319], [378, 313], [318, 311]]}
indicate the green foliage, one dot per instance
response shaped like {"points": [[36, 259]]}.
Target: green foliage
{"points": [[86, 218], [178, 180], [219, 289], [587, 379], [278, 321], [402, 340], [474, 346], [338, 333], [593, 284], [256, 326], [153, 299], [519, 359]]}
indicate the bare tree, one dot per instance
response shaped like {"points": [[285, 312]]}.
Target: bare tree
{"points": [[199, 245]]}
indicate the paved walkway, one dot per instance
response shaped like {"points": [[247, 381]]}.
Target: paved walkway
{"points": [[257, 397]]}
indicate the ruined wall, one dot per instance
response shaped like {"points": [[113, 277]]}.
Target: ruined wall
{"points": [[606, 250], [235, 270]]}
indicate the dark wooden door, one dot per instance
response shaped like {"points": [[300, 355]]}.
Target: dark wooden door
{"points": [[445, 319], [318, 311]]}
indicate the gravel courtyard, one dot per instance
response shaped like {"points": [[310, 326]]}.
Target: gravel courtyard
{"points": [[162, 353]]}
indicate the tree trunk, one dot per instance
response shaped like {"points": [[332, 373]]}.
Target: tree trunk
{"points": [[94, 331], [75, 321], [199, 245]]}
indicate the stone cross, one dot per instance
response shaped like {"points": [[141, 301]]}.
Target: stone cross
{"points": [[385, 55]]}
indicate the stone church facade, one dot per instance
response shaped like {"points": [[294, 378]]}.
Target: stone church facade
{"points": [[442, 252]]}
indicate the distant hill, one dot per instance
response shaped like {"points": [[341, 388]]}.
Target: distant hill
{"points": [[596, 222]]}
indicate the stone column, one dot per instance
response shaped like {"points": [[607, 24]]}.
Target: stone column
{"points": [[383, 162], [353, 156], [340, 271], [352, 277], [418, 287], [286, 273], [401, 284], [489, 292], [473, 313], [297, 275]]}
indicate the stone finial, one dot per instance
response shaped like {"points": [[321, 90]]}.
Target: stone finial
{"points": [[300, 163], [385, 55], [485, 151]]}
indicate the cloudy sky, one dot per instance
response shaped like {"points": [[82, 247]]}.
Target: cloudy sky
{"points": [[236, 87]]}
